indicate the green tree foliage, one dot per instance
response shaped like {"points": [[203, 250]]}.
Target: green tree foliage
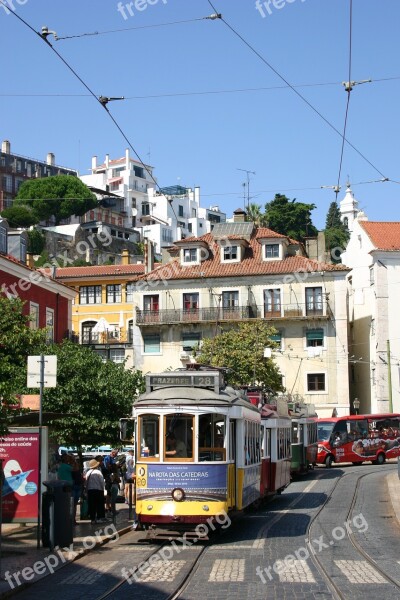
{"points": [[255, 214], [60, 196], [17, 342], [36, 241], [19, 215], [94, 393], [290, 218], [336, 233], [242, 351]]}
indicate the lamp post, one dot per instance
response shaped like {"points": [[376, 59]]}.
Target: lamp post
{"points": [[356, 405]]}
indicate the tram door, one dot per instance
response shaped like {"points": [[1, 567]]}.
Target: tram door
{"points": [[232, 466]]}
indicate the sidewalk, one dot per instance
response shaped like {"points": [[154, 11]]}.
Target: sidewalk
{"points": [[19, 548]]}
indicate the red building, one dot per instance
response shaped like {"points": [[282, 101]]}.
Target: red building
{"points": [[47, 301]]}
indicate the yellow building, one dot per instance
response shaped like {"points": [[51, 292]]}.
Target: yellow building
{"points": [[102, 312]]}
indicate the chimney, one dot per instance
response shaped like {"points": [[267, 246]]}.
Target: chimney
{"points": [[239, 215], [127, 159], [94, 163], [107, 161], [51, 159], [6, 147], [29, 260], [148, 256], [125, 257]]}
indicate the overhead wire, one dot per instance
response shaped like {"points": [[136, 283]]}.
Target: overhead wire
{"points": [[92, 33], [196, 93], [348, 90], [303, 98]]}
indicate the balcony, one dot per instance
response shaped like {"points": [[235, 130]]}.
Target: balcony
{"points": [[235, 313], [108, 338]]}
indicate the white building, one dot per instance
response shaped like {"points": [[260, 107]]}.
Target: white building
{"points": [[237, 273], [162, 216], [348, 208], [373, 253]]}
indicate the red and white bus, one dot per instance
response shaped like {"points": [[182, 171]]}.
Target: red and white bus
{"points": [[358, 438]]}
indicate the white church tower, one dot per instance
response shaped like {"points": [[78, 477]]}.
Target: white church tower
{"points": [[348, 208]]}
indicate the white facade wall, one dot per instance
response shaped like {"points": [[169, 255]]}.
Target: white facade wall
{"points": [[374, 300], [294, 359]]}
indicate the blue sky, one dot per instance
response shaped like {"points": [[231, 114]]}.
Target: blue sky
{"points": [[204, 139]]}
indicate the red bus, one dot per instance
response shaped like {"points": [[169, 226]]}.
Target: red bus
{"points": [[358, 438]]}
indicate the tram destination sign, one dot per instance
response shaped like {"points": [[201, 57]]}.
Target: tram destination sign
{"points": [[203, 379]]}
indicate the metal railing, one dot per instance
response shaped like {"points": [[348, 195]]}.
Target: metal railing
{"points": [[234, 313]]}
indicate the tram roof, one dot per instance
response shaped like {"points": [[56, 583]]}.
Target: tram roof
{"points": [[193, 397]]}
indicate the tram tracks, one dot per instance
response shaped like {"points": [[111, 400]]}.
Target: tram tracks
{"points": [[382, 576]]}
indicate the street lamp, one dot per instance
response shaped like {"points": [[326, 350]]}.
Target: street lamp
{"points": [[356, 405]]}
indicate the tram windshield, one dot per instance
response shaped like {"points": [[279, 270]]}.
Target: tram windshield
{"points": [[179, 436]]}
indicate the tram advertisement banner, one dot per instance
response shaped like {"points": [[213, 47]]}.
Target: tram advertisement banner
{"points": [[19, 455], [199, 478]]}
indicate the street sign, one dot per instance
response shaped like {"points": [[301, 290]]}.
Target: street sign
{"points": [[49, 371]]}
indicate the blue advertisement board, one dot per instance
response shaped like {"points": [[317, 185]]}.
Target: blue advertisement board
{"points": [[194, 477]]}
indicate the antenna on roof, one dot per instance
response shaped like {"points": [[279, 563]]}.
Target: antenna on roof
{"points": [[248, 173]]}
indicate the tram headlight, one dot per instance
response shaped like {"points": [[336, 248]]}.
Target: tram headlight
{"points": [[206, 508], [178, 494], [150, 507]]}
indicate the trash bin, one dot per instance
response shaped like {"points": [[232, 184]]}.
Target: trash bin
{"points": [[57, 514]]}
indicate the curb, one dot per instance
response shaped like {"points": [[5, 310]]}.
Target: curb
{"points": [[393, 482], [79, 554]]}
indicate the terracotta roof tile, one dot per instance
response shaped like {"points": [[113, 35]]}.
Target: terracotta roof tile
{"points": [[99, 271], [385, 235], [252, 263]]}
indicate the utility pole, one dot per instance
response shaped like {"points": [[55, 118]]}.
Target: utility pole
{"points": [[248, 173], [389, 377]]}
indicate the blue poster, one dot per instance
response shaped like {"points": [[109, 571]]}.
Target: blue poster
{"points": [[194, 477]]}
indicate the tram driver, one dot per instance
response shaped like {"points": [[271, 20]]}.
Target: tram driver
{"points": [[175, 447]]}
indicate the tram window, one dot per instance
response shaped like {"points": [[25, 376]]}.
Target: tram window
{"points": [[179, 437], [149, 432], [251, 443], [211, 437]]}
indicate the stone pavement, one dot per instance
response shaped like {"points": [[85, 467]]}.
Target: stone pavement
{"points": [[19, 549], [19, 544]]}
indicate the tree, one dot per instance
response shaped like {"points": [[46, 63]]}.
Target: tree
{"points": [[336, 233], [17, 342], [60, 196], [20, 216], [290, 218], [255, 214], [242, 350], [93, 394], [36, 241]]}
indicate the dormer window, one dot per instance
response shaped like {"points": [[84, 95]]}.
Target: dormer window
{"points": [[189, 255], [272, 251], [231, 253]]}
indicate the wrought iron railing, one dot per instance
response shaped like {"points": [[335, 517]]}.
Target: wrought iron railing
{"points": [[233, 313]]}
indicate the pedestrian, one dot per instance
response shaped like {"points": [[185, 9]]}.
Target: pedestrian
{"points": [[77, 485], [130, 478], [64, 472], [109, 465], [95, 492], [115, 482]]}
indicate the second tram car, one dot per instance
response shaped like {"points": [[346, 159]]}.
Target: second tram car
{"points": [[276, 452], [304, 443]]}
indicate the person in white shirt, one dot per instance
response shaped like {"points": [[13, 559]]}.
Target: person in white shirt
{"points": [[95, 491]]}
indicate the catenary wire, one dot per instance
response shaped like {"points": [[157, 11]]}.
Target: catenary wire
{"points": [[44, 38], [349, 88], [303, 98], [198, 93], [92, 33]]}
